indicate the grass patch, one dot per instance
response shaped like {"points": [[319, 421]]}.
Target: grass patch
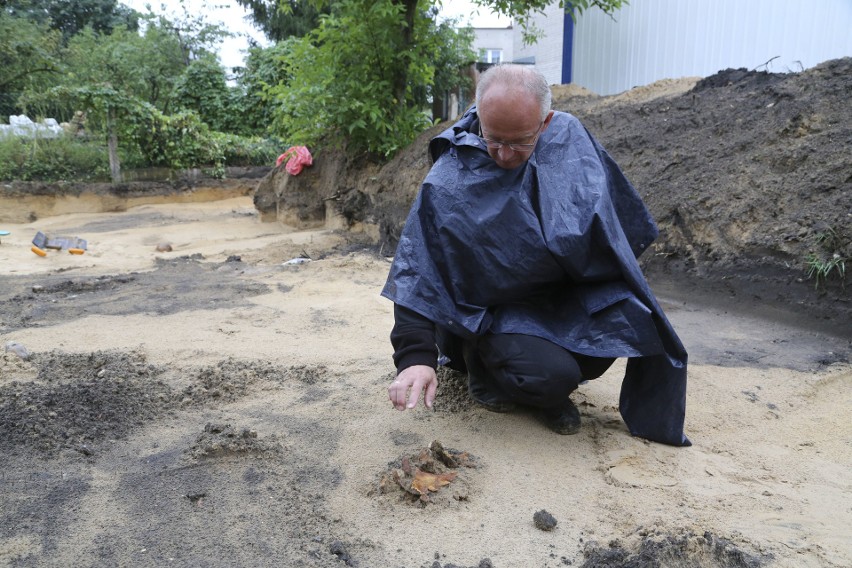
{"points": [[52, 159], [827, 263]]}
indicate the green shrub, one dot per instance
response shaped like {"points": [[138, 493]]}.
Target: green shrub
{"points": [[175, 141], [830, 260], [53, 159], [249, 150]]}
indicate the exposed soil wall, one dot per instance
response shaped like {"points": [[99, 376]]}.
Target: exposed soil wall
{"points": [[22, 201]]}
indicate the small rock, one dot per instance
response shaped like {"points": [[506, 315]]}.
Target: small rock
{"points": [[339, 549], [17, 349], [544, 521], [164, 247], [195, 498]]}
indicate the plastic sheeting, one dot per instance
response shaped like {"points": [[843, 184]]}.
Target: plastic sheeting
{"points": [[297, 158], [547, 249]]}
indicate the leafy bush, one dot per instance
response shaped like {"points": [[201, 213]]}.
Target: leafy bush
{"points": [[202, 89], [183, 141], [341, 82], [249, 150], [52, 159], [175, 141]]}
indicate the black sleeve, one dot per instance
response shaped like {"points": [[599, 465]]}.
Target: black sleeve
{"points": [[413, 339]]}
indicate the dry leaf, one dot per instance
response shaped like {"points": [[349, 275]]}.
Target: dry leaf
{"points": [[451, 458], [424, 481], [406, 465]]}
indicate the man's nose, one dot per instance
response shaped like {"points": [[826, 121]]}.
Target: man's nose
{"points": [[504, 152]]}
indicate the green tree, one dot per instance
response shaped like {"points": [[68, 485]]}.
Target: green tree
{"points": [[142, 66], [451, 51], [342, 80], [264, 67], [103, 103], [202, 88], [363, 72], [70, 17], [280, 20], [194, 34], [29, 59], [148, 66]]}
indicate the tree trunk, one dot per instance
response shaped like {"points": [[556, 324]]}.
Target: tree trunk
{"points": [[112, 145], [400, 83]]}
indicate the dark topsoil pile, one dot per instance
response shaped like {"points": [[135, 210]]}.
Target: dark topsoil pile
{"points": [[748, 176]]}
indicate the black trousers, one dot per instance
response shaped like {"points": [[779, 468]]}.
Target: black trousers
{"points": [[522, 368]]}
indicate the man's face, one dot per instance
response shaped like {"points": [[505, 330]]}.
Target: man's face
{"points": [[510, 116]]}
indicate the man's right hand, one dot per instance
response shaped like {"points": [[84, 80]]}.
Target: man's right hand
{"points": [[404, 391]]}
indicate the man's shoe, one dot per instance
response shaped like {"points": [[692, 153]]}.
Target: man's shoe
{"points": [[494, 404], [564, 419]]}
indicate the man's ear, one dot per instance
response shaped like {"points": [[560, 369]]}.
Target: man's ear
{"points": [[547, 121]]}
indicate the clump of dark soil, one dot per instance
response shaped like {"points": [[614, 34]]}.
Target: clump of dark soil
{"points": [[81, 400], [452, 395], [484, 563], [671, 551], [78, 401], [544, 521], [58, 367], [305, 374], [228, 381], [219, 440], [433, 475]]}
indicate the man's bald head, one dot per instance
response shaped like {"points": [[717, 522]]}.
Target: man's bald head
{"points": [[522, 78], [513, 106]]}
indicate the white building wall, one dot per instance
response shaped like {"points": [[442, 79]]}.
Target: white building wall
{"points": [[650, 40], [494, 38], [547, 52]]}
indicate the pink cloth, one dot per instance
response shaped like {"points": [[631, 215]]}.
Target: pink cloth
{"points": [[297, 158]]}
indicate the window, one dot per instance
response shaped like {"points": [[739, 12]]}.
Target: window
{"points": [[490, 55]]}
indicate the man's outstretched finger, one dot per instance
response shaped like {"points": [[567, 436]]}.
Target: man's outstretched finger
{"points": [[429, 397], [396, 392], [414, 395]]}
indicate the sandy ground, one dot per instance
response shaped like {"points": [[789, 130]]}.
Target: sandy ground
{"points": [[296, 359]]}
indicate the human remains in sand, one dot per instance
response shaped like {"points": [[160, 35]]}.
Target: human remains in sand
{"points": [[518, 265]]}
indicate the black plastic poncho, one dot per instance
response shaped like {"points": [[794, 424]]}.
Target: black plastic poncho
{"points": [[548, 249]]}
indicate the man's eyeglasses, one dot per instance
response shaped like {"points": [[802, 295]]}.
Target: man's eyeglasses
{"points": [[495, 145]]}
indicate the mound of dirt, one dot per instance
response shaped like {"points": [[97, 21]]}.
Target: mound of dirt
{"points": [[747, 174], [220, 440], [649, 549], [431, 476], [83, 401], [80, 400]]}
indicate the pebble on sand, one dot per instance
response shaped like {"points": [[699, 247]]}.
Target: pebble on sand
{"points": [[17, 349], [544, 520]]}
